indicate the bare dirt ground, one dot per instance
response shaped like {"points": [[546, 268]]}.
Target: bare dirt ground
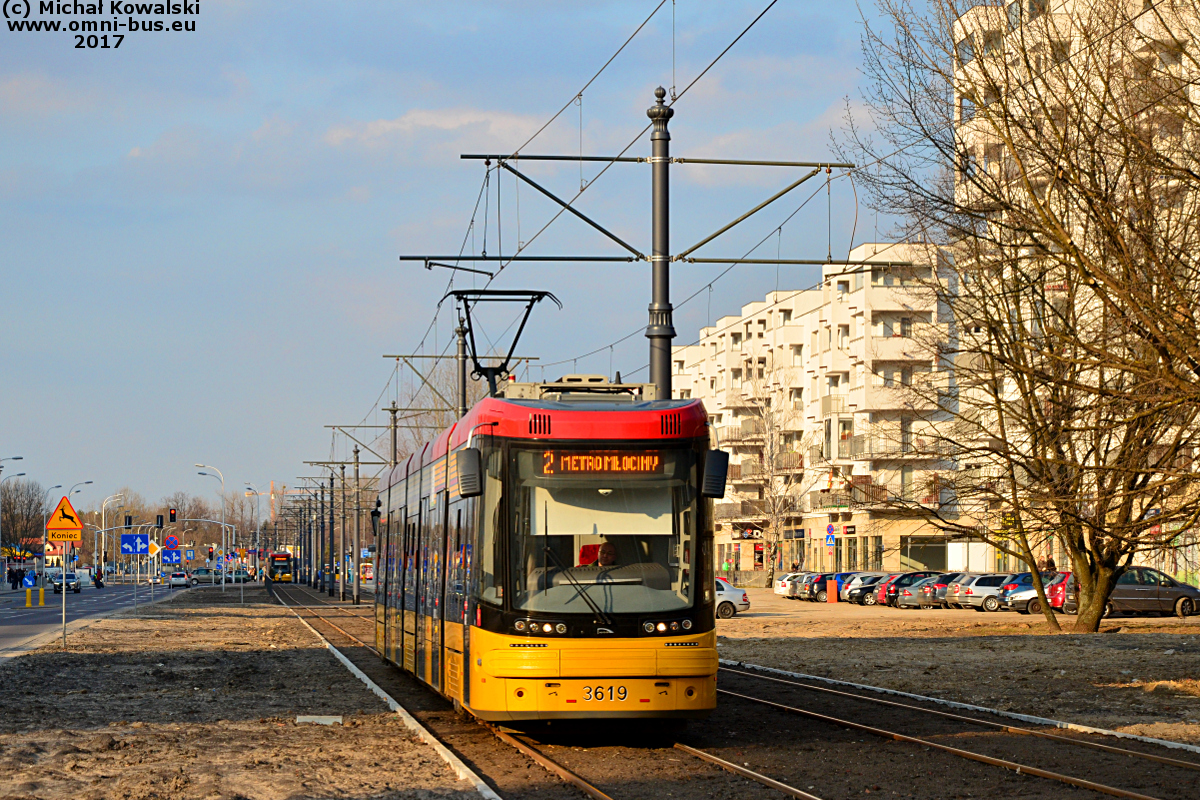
{"points": [[1140, 675], [197, 697]]}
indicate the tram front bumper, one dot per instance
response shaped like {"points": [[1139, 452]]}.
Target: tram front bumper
{"points": [[583, 698]]}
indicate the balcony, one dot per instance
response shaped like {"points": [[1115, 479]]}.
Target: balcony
{"points": [[918, 347], [833, 404], [735, 472], [757, 509], [865, 447], [789, 462], [828, 500]]}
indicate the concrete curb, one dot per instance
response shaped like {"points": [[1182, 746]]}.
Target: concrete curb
{"points": [[460, 768], [39, 640], [1055, 723]]}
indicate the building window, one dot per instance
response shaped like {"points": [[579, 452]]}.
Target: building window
{"points": [[1014, 14], [843, 337], [678, 367], [785, 316], [736, 378], [965, 49], [906, 327], [1060, 51], [797, 355], [843, 288], [906, 439], [796, 395], [906, 478], [685, 394]]}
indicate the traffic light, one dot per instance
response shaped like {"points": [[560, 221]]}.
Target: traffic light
{"points": [[158, 522], [128, 522], [210, 554], [173, 514]]}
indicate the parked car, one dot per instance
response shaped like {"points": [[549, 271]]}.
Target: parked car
{"points": [[72, 582], [179, 579], [880, 595], [1019, 595], [982, 593], [855, 581], [903, 581], [912, 596], [955, 594], [1142, 590], [940, 584], [818, 587], [796, 586], [1056, 593], [730, 600], [238, 576], [842, 578], [806, 582], [783, 585]]}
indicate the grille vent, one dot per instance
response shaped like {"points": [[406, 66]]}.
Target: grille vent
{"points": [[671, 426], [539, 424]]}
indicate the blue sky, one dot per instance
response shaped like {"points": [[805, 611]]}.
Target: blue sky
{"points": [[201, 229]]}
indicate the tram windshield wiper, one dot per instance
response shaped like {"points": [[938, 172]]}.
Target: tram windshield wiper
{"points": [[566, 571]]}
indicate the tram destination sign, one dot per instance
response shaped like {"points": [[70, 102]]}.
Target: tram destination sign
{"points": [[602, 462]]}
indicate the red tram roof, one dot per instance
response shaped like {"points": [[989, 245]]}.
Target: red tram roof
{"points": [[552, 421]]}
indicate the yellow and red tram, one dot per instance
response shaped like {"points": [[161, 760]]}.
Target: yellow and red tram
{"points": [[549, 556]]}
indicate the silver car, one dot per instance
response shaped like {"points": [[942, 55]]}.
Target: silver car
{"points": [[984, 592], [730, 600], [956, 596]]}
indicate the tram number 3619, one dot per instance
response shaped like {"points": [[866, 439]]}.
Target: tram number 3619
{"points": [[605, 693]]}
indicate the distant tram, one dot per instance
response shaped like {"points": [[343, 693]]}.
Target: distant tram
{"points": [[549, 556], [280, 567]]}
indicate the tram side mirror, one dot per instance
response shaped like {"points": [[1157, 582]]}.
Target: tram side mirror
{"points": [[716, 469], [470, 472], [375, 515]]}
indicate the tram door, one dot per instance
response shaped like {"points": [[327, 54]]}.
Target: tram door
{"points": [[384, 607], [422, 563], [437, 572], [411, 576]]}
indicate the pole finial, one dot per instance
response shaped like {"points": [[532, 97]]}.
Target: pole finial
{"points": [[660, 112]]}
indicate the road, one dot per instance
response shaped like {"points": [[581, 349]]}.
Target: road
{"points": [[18, 623]]}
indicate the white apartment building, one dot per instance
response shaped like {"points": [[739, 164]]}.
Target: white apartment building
{"points": [[817, 381]]}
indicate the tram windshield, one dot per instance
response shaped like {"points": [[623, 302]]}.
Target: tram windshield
{"points": [[608, 530]]}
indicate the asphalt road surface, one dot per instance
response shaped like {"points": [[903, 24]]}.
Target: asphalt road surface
{"points": [[18, 623]]}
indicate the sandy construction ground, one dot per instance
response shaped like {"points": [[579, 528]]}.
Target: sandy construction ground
{"points": [[1142, 675], [198, 698]]}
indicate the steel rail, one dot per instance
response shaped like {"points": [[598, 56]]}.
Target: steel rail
{"points": [[1020, 769], [331, 624], [746, 773], [1174, 762], [367, 616], [551, 766]]}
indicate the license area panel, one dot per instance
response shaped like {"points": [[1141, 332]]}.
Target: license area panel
{"points": [[604, 695]]}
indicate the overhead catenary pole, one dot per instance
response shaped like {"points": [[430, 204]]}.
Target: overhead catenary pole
{"points": [[323, 572], [342, 542], [357, 529], [660, 330], [333, 565]]}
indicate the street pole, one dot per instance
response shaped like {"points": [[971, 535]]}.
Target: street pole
{"points": [[342, 543], [321, 533], [333, 566], [357, 528], [461, 333], [661, 330]]}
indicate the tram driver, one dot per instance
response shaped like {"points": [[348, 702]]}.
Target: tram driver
{"points": [[607, 555]]}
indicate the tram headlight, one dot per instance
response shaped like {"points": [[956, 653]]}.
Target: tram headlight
{"points": [[520, 625], [560, 627], [687, 624], [661, 627], [547, 628], [648, 627], [674, 626]]}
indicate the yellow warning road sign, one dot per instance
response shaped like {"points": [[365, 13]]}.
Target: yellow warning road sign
{"points": [[63, 525], [154, 548]]}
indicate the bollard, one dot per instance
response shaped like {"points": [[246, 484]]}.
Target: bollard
{"points": [[29, 598], [42, 596], [831, 591]]}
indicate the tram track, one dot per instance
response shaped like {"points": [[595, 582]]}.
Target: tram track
{"points": [[938, 735], [524, 743]]}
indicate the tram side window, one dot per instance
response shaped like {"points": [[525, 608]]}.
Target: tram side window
{"points": [[490, 545]]}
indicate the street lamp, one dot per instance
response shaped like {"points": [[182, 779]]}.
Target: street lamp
{"points": [[224, 548], [10, 458], [104, 528], [257, 507]]}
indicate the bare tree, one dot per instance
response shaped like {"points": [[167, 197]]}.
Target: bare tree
{"points": [[1052, 154], [23, 507]]}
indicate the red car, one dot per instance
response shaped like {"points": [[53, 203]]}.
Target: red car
{"points": [[882, 587], [1056, 592]]}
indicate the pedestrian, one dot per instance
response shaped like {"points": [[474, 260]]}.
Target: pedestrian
{"points": [[1050, 565]]}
